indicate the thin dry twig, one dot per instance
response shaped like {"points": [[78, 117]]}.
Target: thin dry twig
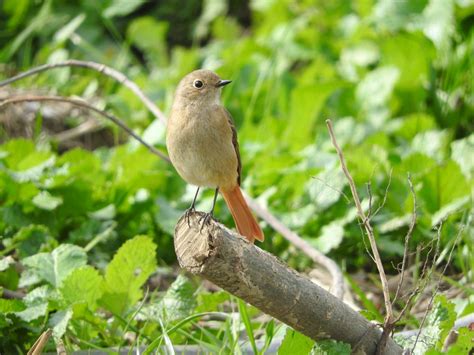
{"points": [[101, 68], [83, 104], [366, 224], [407, 242], [385, 195], [438, 284]]}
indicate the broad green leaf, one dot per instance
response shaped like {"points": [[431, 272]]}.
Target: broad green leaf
{"points": [[210, 302], [131, 266], [54, 267], [462, 152], [119, 8], [414, 124], [373, 92], [442, 185], [326, 187], [31, 239], [59, 322], [439, 322], [413, 62], [46, 201], [178, 302], [83, 284], [463, 343], [430, 143], [11, 306], [5, 262], [439, 22], [331, 347], [330, 238], [295, 343], [33, 312], [395, 15]]}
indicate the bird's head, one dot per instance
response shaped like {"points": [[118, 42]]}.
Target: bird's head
{"points": [[202, 86]]}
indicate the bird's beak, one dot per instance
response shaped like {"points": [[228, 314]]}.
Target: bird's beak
{"points": [[221, 83]]}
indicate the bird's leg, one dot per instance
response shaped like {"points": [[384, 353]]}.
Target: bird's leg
{"points": [[191, 209], [206, 218]]}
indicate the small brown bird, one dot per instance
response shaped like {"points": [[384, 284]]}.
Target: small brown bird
{"points": [[202, 145]]}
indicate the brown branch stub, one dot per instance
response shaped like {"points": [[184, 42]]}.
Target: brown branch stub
{"points": [[262, 280]]}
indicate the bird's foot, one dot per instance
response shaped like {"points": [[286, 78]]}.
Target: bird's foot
{"points": [[205, 219], [187, 215]]}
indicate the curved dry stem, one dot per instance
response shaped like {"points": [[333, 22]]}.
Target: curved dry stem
{"points": [[101, 68], [80, 103]]}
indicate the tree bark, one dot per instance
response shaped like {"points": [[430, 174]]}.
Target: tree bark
{"points": [[259, 278]]}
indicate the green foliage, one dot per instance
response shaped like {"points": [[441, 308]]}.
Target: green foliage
{"points": [[438, 324], [295, 343], [394, 76], [127, 272]]}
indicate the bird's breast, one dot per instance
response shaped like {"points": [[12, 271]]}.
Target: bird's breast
{"points": [[199, 143]]}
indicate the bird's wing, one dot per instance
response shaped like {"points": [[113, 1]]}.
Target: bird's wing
{"points": [[235, 142]]}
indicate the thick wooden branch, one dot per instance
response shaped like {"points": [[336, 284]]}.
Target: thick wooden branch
{"points": [[259, 278]]}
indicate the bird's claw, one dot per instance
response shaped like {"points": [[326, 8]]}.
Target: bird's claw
{"points": [[205, 219], [187, 215]]}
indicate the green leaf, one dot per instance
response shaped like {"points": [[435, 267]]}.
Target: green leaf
{"points": [[5, 262], [59, 322], [33, 312], [373, 92], [330, 238], [413, 62], [178, 302], [46, 201], [463, 343], [83, 284], [56, 266], [11, 306], [295, 343], [442, 185], [131, 266], [331, 347], [439, 322], [210, 302], [439, 22], [31, 239], [118, 8], [462, 152]]}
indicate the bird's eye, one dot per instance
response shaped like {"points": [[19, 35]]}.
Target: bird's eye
{"points": [[198, 84]]}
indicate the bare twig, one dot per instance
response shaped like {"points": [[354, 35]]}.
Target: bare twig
{"points": [[101, 68], [385, 195], [407, 241], [80, 103], [438, 284], [304, 246], [366, 224]]}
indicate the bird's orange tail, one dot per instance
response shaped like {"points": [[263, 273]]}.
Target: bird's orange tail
{"points": [[243, 217]]}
